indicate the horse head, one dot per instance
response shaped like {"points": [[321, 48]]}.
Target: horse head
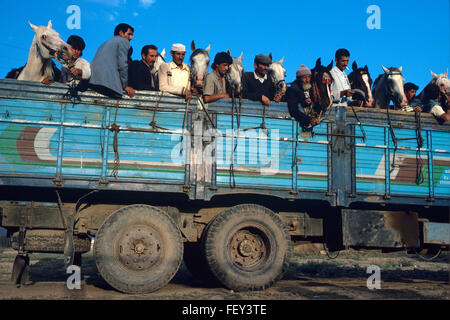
{"points": [[199, 65], [360, 79], [394, 86], [277, 74], [442, 81], [321, 81], [235, 73], [49, 43]]}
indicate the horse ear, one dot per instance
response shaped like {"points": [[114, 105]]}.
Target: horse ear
{"points": [[193, 45], [50, 24], [330, 65], [33, 26], [446, 73], [433, 74], [270, 56], [229, 52], [163, 53], [400, 69], [281, 61], [241, 57], [366, 68], [354, 66], [318, 62], [386, 70], [208, 48]]}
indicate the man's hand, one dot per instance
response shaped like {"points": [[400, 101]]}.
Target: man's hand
{"points": [[265, 101], [417, 109], [315, 121], [187, 94], [47, 81], [76, 72], [130, 91], [308, 101], [278, 97]]}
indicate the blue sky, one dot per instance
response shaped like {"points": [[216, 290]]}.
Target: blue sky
{"points": [[414, 34]]}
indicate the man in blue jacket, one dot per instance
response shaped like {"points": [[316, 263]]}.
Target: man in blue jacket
{"points": [[110, 65]]}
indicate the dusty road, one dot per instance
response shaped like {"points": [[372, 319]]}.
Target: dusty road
{"points": [[312, 276]]}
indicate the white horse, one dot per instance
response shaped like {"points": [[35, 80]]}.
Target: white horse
{"points": [[46, 45], [442, 81], [277, 74]]}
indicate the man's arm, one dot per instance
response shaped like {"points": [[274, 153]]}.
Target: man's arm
{"points": [[293, 100], [246, 93], [122, 61]]}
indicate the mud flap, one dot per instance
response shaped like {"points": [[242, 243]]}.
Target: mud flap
{"points": [[21, 270]]}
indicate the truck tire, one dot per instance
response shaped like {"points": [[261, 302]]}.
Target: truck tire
{"points": [[248, 248], [138, 249]]}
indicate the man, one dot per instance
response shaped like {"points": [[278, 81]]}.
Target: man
{"points": [[340, 88], [255, 85], [431, 104], [110, 65], [216, 86], [78, 68], [141, 74], [174, 76], [414, 104], [299, 99]]}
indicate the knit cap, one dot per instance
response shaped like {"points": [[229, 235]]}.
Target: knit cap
{"points": [[303, 71]]}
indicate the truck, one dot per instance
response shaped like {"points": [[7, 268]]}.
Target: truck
{"points": [[229, 187]]}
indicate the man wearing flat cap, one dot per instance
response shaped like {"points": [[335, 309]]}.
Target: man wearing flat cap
{"points": [[256, 85], [174, 76], [216, 86]]}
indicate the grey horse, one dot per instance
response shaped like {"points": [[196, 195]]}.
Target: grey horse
{"points": [[199, 65], [234, 75], [389, 87]]}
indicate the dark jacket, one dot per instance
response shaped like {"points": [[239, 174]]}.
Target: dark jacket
{"points": [[140, 77], [253, 89], [296, 101]]}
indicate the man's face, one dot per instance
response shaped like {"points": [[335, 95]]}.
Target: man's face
{"points": [[127, 35], [261, 69], [76, 53], [342, 63], [178, 57], [305, 79], [410, 94], [222, 68], [150, 58]]}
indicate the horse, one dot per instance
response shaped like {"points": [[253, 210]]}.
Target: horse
{"points": [[46, 45], [235, 73], [444, 85], [389, 86], [360, 79], [199, 65], [277, 74], [321, 81]]}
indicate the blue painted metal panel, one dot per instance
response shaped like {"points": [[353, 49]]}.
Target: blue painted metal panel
{"points": [[436, 233]]}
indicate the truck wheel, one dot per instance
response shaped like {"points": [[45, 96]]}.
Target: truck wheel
{"points": [[248, 248], [138, 249]]}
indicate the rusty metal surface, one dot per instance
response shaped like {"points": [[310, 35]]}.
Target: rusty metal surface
{"points": [[380, 229]]}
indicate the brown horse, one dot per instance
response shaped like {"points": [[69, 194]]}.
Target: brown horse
{"points": [[360, 79]]}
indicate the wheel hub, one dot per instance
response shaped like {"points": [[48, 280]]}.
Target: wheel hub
{"points": [[138, 248], [247, 249]]}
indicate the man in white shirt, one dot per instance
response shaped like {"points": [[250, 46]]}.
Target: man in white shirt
{"points": [[340, 88], [79, 68], [174, 76]]}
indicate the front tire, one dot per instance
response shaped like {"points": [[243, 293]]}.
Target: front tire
{"points": [[138, 249], [248, 248]]}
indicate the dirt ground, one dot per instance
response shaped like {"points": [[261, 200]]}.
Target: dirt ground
{"points": [[312, 276]]}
